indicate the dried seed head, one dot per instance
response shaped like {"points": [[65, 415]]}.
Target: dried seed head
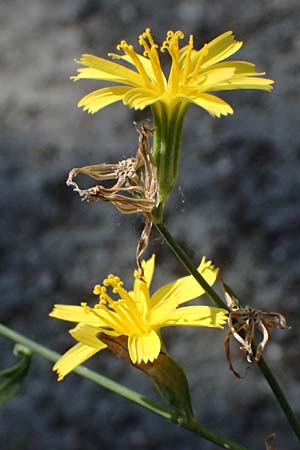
{"points": [[245, 323], [135, 188]]}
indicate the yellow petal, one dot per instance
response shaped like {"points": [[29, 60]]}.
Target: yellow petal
{"points": [[103, 97], [214, 105], [197, 316], [73, 358], [240, 82], [145, 62], [186, 288], [148, 268], [108, 70], [240, 67], [87, 335], [88, 73], [75, 314], [142, 298], [213, 76], [220, 48], [139, 98], [144, 348], [161, 311]]}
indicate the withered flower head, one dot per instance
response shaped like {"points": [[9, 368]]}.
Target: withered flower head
{"points": [[245, 323], [135, 189]]}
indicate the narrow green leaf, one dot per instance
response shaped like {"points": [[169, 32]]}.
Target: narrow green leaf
{"points": [[11, 379]]}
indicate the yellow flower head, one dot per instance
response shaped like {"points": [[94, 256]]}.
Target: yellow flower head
{"points": [[193, 74], [136, 314]]}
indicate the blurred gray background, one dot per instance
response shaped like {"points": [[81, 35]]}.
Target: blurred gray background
{"points": [[237, 203]]}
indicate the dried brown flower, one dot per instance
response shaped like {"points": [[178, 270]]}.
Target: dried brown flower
{"points": [[135, 189], [245, 323]]}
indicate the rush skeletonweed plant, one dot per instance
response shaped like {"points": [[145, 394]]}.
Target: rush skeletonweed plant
{"points": [[129, 322]]}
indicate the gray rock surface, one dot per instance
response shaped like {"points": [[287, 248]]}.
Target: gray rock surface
{"points": [[237, 203]]}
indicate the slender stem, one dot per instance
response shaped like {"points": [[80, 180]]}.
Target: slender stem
{"points": [[200, 430], [186, 262], [286, 408], [271, 380], [125, 392], [196, 428], [89, 374]]}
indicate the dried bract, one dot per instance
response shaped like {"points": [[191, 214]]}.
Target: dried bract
{"points": [[245, 323]]}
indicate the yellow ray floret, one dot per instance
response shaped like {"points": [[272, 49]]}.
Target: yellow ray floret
{"points": [[193, 73], [136, 314]]}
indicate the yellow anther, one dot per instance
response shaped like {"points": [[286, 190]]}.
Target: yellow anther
{"points": [[130, 51], [109, 280], [103, 298], [171, 40], [122, 45], [147, 34], [83, 304], [97, 289], [150, 38], [127, 48], [143, 42]]}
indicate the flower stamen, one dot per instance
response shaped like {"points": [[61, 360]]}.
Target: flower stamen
{"points": [[150, 52], [187, 61], [171, 45], [129, 50]]}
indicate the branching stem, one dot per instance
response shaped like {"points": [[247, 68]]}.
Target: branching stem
{"points": [[214, 297], [191, 425]]}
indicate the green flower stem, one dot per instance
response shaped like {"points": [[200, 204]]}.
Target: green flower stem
{"points": [[125, 392], [87, 373], [285, 406], [267, 373]]}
